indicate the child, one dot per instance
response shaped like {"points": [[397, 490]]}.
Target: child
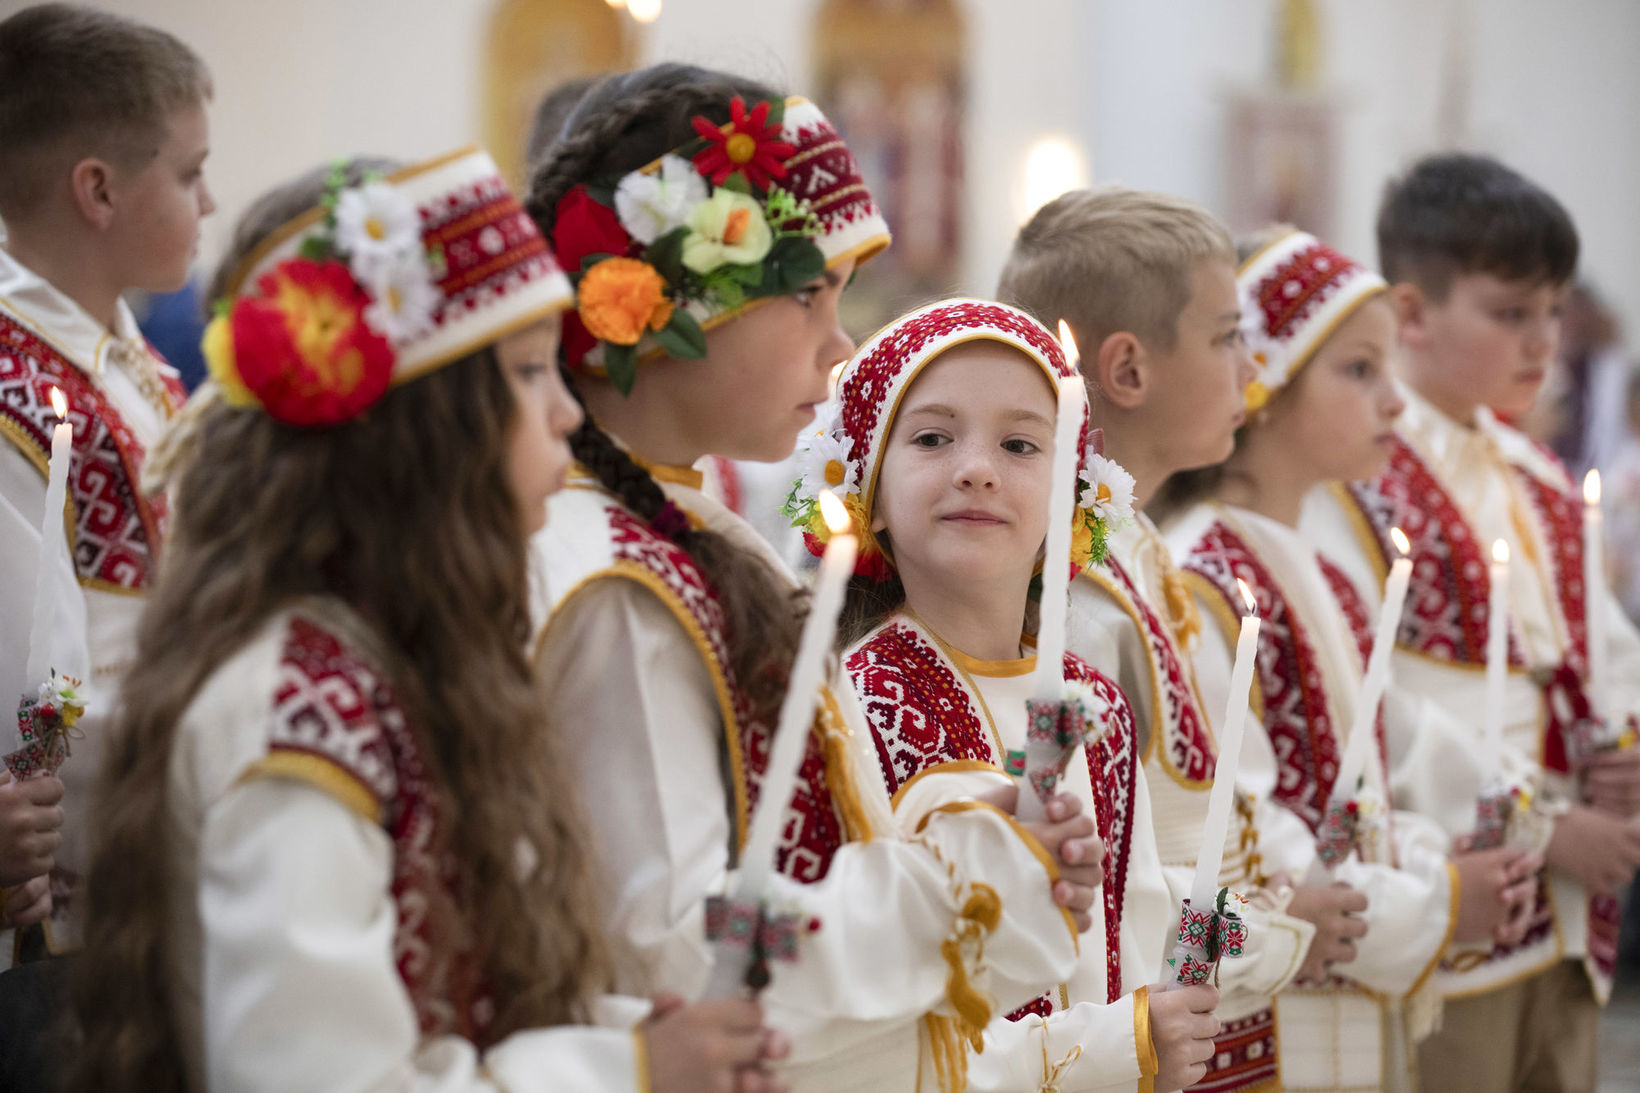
{"points": [[1147, 284], [298, 731], [707, 324], [103, 132], [949, 430], [1477, 258], [1323, 407]]}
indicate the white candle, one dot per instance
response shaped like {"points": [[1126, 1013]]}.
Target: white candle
{"points": [[1204, 887], [1049, 681], [52, 544], [1497, 648], [1594, 599], [797, 711], [1364, 721]]}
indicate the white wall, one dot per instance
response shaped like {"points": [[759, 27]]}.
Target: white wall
{"points": [[1553, 89]]}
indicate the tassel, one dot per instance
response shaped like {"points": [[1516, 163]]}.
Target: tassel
{"points": [[845, 795], [949, 1053], [980, 914]]}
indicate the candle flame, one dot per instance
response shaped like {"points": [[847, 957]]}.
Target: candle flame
{"points": [[1247, 596], [59, 403], [1068, 341], [835, 514], [1500, 551], [1591, 487], [1401, 543]]}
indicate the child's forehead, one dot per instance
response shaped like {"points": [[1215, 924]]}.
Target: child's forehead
{"points": [[980, 374], [1484, 283]]}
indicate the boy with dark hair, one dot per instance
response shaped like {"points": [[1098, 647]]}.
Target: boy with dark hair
{"points": [[1478, 258], [104, 135]]}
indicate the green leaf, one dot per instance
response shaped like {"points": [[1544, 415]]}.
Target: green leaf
{"points": [[792, 263], [316, 248], [592, 260], [666, 255], [777, 111], [603, 192], [621, 365], [738, 183], [750, 276], [682, 337]]}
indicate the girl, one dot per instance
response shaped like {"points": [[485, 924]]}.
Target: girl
{"points": [[1322, 409], [716, 224], [286, 893], [945, 436]]}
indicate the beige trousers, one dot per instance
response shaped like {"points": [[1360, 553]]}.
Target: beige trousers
{"points": [[1536, 1036]]}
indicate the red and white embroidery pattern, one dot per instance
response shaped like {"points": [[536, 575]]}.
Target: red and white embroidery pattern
{"points": [[812, 831], [822, 171], [117, 529], [1245, 1055], [923, 714], [1185, 743], [1296, 718], [331, 703], [490, 246]]}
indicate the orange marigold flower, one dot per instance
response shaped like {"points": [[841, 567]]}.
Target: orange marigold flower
{"points": [[619, 298]]}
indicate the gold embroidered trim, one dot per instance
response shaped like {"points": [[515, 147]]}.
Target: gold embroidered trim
{"points": [[1144, 1039], [322, 773], [955, 766], [1453, 897]]}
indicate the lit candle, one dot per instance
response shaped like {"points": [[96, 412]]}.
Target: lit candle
{"points": [[52, 543], [1049, 682], [1204, 887], [1497, 647], [1364, 722], [1594, 599], [797, 711]]}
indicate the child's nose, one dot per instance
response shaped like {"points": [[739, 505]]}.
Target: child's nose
{"points": [[975, 467]]}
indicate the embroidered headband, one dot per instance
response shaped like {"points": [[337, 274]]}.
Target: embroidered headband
{"points": [[748, 210], [384, 282], [845, 453], [1294, 293]]}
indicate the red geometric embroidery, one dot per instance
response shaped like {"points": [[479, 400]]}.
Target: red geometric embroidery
{"points": [[1299, 285], [1296, 717], [117, 529], [490, 246], [1183, 724], [812, 830], [1355, 613], [822, 170], [1245, 1057], [330, 701]]}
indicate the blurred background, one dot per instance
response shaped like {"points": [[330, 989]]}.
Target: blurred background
{"points": [[968, 114]]}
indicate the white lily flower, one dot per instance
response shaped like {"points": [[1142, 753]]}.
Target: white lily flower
{"points": [[650, 205]]}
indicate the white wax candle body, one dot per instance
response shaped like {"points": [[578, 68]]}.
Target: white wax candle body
{"points": [[1497, 656], [1358, 749], [1205, 885], [1049, 680], [1594, 598], [796, 717], [53, 542]]}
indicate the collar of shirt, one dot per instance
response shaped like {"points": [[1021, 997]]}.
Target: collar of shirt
{"points": [[52, 315]]}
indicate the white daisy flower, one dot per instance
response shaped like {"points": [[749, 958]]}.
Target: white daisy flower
{"points": [[376, 225], [1107, 490], [404, 300], [650, 205], [823, 459]]}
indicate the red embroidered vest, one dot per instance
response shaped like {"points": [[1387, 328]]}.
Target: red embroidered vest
{"points": [[117, 531], [922, 715], [330, 702], [813, 829], [1186, 744]]}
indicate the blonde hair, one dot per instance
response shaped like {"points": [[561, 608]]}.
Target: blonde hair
{"points": [[1112, 259]]}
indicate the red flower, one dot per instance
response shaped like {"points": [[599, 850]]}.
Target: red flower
{"points": [[581, 226], [303, 349], [577, 340], [749, 146]]}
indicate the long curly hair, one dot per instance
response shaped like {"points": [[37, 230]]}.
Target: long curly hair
{"points": [[619, 125], [407, 517]]}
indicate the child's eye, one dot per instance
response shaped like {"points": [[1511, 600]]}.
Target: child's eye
{"points": [[1234, 339], [530, 371], [1019, 446], [930, 440], [1512, 315], [805, 295], [1360, 369]]}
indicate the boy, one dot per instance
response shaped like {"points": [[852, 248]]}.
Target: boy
{"points": [[103, 134], [1478, 258], [1147, 283]]}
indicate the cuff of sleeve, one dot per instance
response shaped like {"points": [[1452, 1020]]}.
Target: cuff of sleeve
{"points": [[1455, 892], [640, 1062], [1144, 1042]]}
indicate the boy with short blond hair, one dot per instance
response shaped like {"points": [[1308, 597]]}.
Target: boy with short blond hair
{"points": [[1147, 283], [1478, 258], [104, 135]]}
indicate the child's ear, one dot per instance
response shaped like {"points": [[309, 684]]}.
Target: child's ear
{"points": [[1119, 371], [92, 183], [1411, 314]]}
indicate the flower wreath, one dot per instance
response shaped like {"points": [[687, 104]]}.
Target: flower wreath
{"points": [[315, 344], [707, 224], [827, 461]]}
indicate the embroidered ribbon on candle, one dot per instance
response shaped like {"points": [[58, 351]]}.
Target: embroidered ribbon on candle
{"points": [[1205, 938], [1499, 811], [46, 722], [1351, 823], [1054, 729], [1572, 720], [771, 936]]}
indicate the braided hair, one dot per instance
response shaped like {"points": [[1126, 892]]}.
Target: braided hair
{"points": [[620, 125]]}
